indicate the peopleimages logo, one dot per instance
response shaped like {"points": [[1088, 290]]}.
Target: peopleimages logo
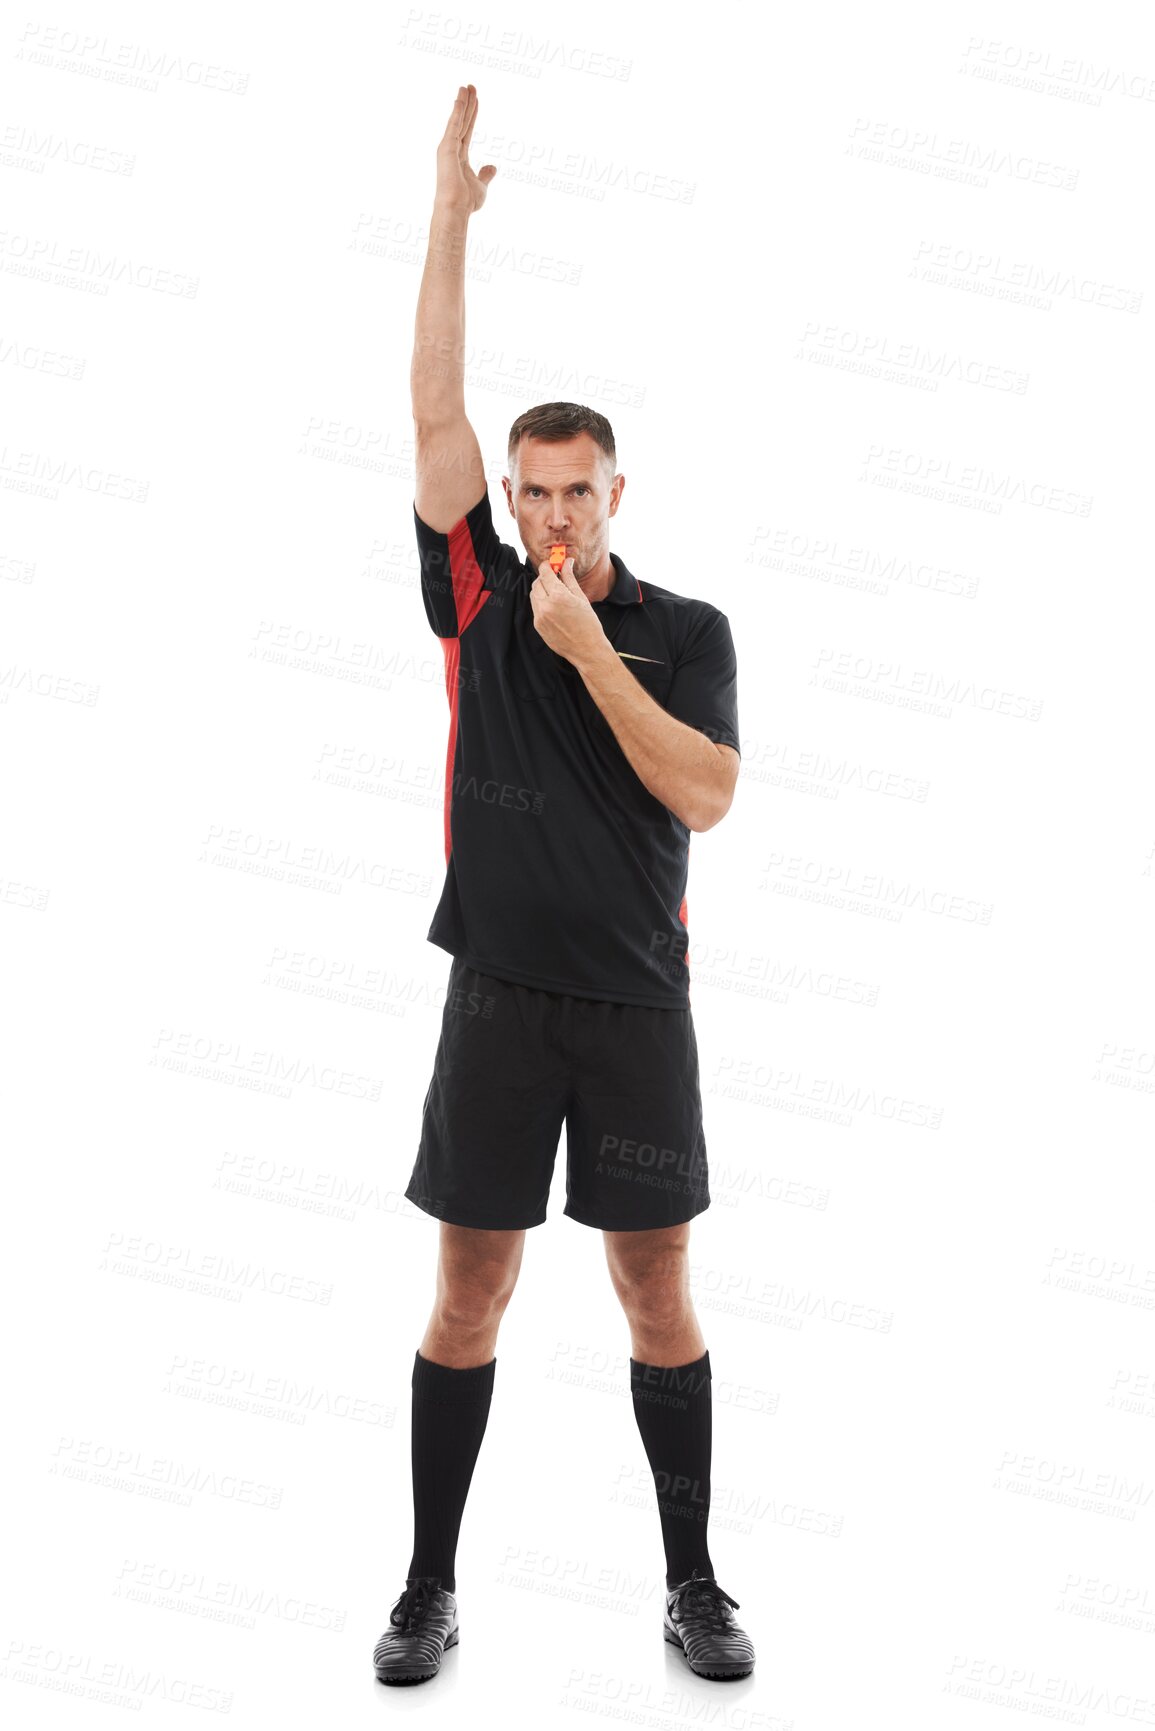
{"points": [[500, 793]]}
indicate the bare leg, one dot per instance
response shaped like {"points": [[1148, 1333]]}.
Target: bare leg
{"points": [[650, 1274], [477, 1271]]}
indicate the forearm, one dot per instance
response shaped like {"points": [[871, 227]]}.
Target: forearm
{"points": [[437, 376], [675, 763]]}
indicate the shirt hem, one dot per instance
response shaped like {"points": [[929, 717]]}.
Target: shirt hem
{"points": [[567, 989]]}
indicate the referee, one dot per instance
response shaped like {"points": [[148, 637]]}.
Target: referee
{"points": [[592, 726]]}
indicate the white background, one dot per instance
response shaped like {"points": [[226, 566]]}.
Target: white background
{"points": [[866, 297]]}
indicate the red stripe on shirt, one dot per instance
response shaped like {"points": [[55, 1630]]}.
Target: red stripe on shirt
{"points": [[452, 649], [469, 597]]}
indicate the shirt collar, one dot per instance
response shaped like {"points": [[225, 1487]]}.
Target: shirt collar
{"points": [[626, 589]]}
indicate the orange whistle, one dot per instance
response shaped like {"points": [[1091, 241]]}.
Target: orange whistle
{"points": [[557, 557]]}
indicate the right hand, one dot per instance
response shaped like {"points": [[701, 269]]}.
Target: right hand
{"points": [[458, 187]]}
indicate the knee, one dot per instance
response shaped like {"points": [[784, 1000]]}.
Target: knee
{"points": [[653, 1289], [473, 1299]]}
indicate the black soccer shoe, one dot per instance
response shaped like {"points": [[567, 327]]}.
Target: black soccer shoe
{"points": [[698, 1619], [422, 1624]]}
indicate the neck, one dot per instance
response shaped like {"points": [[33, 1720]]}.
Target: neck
{"points": [[597, 584]]}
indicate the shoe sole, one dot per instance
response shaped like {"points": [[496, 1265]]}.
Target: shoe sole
{"points": [[726, 1676], [417, 1676]]}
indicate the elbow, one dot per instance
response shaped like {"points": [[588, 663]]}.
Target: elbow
{"points": [[716, 801], [714, 795], [705, 817], [713, 806]]}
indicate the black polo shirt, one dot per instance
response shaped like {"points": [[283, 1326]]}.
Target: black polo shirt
{"points": [[562, 869]]}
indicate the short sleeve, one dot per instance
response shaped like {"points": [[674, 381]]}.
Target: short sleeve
{"points": [[460, 568], [704, 692]]}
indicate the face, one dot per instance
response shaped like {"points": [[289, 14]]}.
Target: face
{"points": [[562, 492]]}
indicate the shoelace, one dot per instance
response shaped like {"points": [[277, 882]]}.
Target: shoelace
{"points": [[702, 1600], [413, 1606]]}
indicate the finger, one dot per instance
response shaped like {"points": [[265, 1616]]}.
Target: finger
{"points": [[453, 124], [470, 115]]}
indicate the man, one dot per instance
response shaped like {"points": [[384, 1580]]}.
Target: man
{"points": [[593, 726]]}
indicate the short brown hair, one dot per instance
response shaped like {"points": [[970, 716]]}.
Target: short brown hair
{"points": [[557, 421]]}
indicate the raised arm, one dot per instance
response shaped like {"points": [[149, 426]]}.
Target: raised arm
{"points": [[450, 471]]}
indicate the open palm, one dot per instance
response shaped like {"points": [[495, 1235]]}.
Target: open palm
{"points": [[457, 184]]}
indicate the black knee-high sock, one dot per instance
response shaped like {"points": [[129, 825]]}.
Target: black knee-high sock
{"points": [[450, 1412], [672, 1407]]}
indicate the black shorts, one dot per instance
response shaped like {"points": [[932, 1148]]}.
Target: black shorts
{"points": [[513, 1063]]}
